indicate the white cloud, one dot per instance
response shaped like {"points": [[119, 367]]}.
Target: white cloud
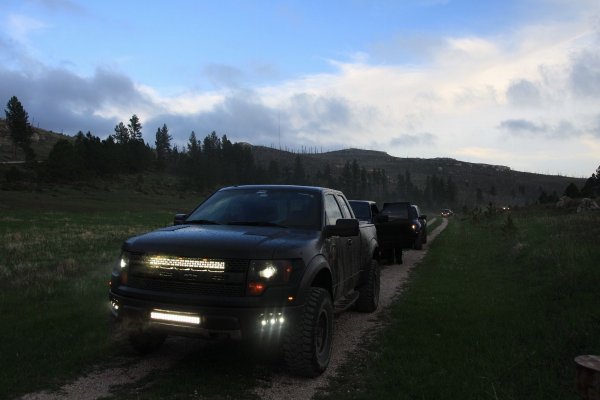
{"points": [[21, 26]]}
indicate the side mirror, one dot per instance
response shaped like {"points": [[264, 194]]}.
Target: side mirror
{"points": [[179, 219], [343, 227], [382, 218]]}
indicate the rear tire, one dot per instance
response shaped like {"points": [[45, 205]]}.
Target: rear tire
{"points": [[398, 252], [307, 345], [418, 243], [368, 299], [388, 256]]}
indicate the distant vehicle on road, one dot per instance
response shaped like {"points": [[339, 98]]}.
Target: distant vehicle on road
{"points": [[447, 213]]}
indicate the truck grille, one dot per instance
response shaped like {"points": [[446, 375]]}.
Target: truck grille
{"points": [[192, 288], [195, 276]]}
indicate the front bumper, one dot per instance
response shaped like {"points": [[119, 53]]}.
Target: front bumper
{"points": [[235, 322]]}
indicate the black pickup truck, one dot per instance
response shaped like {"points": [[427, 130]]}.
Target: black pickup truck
{"points": [[366, 211], [261, 262], [403, 224]]}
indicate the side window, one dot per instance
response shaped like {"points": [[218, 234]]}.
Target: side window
{"points": [[345, 209], [332, 210], [374, 209]]}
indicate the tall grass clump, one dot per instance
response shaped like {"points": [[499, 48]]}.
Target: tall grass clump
{"points": [[498, 309]]}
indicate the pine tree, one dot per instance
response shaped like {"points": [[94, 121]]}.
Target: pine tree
{"points": [[121, 135], [135, 129], [193, 147], [163, 146], [591, 188], [19, 128], [572, 191], [298, 175]]}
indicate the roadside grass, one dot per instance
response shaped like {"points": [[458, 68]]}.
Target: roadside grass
{"points": [[54, 268], [433, 223], [497, 310]]}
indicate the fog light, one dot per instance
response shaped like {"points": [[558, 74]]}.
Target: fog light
{"points": [[272, 319]]}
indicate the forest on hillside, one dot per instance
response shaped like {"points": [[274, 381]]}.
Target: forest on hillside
{"points": [[205, 164]]}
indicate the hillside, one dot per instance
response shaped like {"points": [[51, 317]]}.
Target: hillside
{"points": [[42, 143], [474, 183], [510, 187]]}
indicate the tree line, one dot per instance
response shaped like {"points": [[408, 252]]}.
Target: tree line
{"points": [[213, 161]]}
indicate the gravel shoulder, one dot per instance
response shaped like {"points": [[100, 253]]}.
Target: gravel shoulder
{"points": [[349, 330]]}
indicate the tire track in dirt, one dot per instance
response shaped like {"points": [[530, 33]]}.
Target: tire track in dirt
{"points": [[349, 330], [350, 327]]}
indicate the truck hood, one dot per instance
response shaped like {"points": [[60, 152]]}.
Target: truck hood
{"points": [[220, 241]]}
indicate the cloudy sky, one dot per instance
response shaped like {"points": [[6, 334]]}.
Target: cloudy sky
{"points": [[510, 82]]}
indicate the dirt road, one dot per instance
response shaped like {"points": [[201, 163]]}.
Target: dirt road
{"points": [[349, 330]]}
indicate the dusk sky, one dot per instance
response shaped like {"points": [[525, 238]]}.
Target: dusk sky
{"points": [[511, 82]]}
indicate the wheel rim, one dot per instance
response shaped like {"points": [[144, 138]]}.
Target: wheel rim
{"points": [[321, 333]]}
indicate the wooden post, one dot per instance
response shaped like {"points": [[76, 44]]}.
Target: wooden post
{"points": [[587, 378]]}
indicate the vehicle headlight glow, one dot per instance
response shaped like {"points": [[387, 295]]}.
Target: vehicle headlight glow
{"points": [[120, 265], [268, 272], [272, 319], [173, 317], [263, 273]]}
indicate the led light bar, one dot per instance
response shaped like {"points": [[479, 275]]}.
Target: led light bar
{"points": [[170, 317], [190, 264]]}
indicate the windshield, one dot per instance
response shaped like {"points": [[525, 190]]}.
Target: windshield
{"points": [[393, 210], [362, 210], [261, 207]]}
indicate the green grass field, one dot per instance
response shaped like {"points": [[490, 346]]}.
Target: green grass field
{"points": [[496, 310], [56, 254]]}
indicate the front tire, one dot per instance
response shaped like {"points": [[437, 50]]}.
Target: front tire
{"points": [[418, 243], [368, 299], [307, 345]]}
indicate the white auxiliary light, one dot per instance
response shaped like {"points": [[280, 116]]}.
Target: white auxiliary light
{"points": [[170, 317], [190, 264]]}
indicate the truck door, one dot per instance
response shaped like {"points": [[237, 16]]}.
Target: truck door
{"points": [[352, 261], [336, 259]]}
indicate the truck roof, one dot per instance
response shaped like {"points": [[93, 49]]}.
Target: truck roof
{"points": [[282, 187]]}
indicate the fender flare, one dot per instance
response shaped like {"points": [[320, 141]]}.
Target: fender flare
{"points": [[318, 266]]}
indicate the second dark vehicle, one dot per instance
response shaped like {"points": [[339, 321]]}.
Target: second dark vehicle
{"points": [[402, 224]]}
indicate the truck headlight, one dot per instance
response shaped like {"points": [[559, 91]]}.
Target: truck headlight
{"points": [[267, 272], [121, 267]]}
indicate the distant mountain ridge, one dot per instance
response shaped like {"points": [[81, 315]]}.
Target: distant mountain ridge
{"points": [[498, 184], [476, 183]]}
